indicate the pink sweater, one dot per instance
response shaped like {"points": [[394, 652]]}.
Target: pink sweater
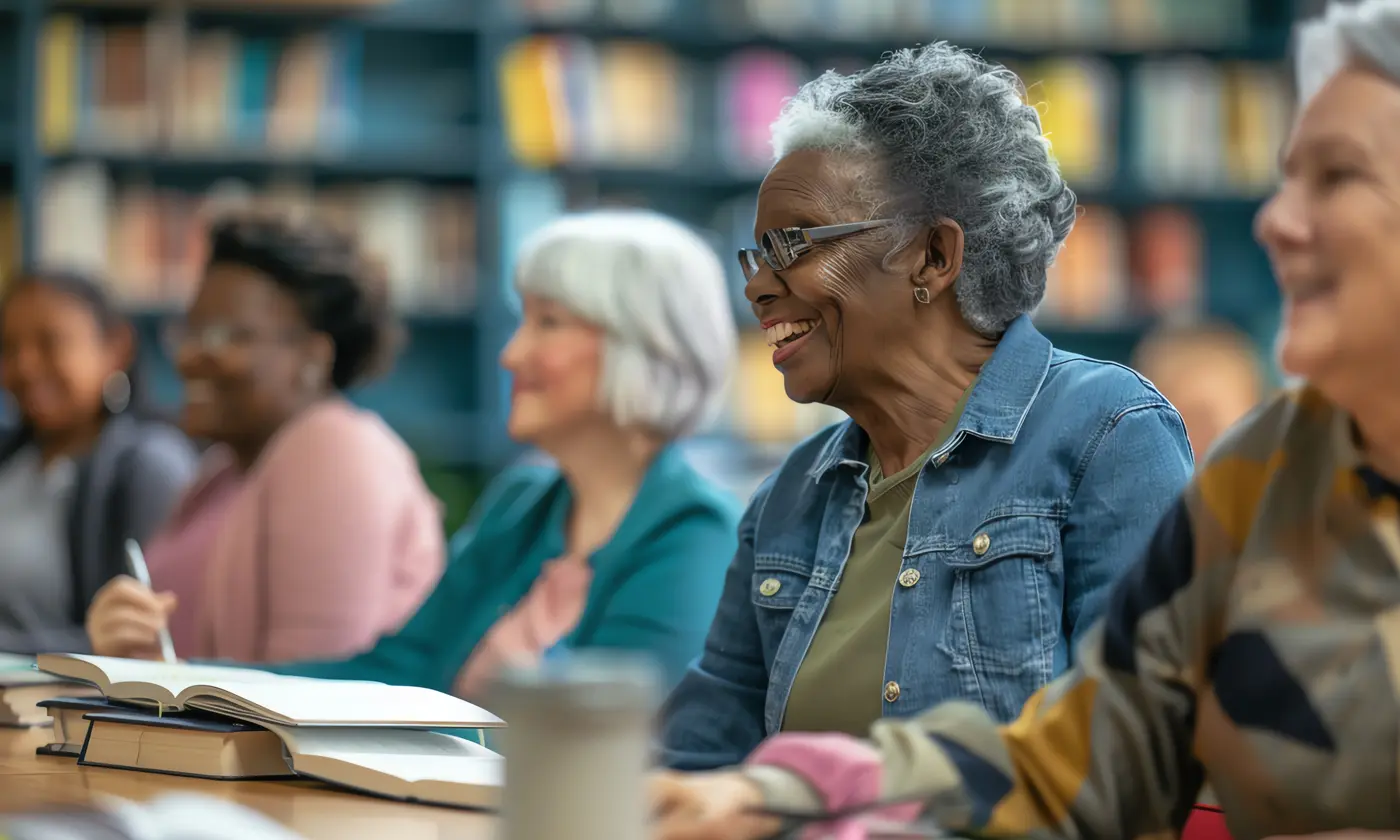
{"points": [[330, 540]]}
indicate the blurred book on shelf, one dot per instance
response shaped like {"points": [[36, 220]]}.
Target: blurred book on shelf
{"points": [[1168, 262], [1078, 103], [157, 86], [149, 241], [1114, 272], [141, 86], [569, 101], [753, 85], [1207, 127]]}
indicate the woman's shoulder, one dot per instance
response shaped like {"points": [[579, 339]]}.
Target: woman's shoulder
{"points": [[677, 489], [1098, 385], [1294, 419], [337, 430]]}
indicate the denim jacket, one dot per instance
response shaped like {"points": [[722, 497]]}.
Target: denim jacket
{"points": [[1048, 489]]}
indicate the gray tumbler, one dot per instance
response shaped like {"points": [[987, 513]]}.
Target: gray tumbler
{"points": [[578, 747]]}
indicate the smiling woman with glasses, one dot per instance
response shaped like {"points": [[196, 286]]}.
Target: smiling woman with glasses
{"points": [[955, 538], [310, 530]]}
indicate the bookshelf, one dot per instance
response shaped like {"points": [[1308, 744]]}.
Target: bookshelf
{"points": [[437, 124]]}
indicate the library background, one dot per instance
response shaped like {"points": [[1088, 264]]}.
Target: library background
{"points": [[423, 124]]}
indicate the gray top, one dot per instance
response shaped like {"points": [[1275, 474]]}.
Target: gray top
{"points": [[123, 488], [36, 576]]}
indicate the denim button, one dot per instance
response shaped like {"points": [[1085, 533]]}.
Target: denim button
{"points": [[770, 587], [908, 578], [980, 544], [891, 691]]}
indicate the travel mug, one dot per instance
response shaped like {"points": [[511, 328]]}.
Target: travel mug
{"points": [[578, 747]]}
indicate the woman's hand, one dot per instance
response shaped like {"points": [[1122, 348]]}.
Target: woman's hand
{"points": [[708, 806], [125, 619]]}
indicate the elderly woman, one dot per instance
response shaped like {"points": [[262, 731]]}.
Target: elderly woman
{"points": [[1258, 643], [955, 538], [625, 344]]}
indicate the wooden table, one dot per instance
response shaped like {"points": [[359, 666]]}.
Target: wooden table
{"points": [[29, 782]]}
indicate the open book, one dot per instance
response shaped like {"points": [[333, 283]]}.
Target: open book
{"points": [[413, 766], [264, 698]]}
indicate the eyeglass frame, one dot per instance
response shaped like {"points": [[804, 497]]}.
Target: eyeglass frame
{"points": [[793, 242], [213, 338]]}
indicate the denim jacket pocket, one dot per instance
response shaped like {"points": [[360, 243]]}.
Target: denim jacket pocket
{"points": [[778, 585], [1003, 623]]}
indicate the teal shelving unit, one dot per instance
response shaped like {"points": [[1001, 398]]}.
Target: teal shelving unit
{"points": [[447, 396]]}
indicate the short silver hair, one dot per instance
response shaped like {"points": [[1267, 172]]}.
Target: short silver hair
{"points": [[1368, 32], [956, 141], [658, 292]]}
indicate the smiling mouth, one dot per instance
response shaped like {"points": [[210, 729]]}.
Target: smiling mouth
{"points": [[781, 335]]}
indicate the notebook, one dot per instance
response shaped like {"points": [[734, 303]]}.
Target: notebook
{"points": [[260, 697], [182, 745], [69, 724], [407, 765]]}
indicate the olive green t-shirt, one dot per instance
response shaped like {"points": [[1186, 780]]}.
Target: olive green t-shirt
{"points": [[840, 686]]}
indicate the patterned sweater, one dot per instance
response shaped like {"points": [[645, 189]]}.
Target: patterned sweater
{"points": [[1257, 646]]}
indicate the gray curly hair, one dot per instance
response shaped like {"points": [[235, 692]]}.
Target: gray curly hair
{"points": [[956, 141]]}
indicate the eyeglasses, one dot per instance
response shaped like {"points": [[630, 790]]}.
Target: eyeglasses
{"points": [[780, 247], [214, 338]]}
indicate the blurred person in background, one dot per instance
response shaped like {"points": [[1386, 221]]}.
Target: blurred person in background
{"points": [[310, 531], [85, 469], [1255, 646], [956, 537], [1210, 371], [625, 344]]}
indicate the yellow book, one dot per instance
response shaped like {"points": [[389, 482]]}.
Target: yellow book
{"points": [[60, 63], [1076, 116], [535, 124]]}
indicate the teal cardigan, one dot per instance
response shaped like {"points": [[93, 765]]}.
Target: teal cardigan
{"points": [[655, 584]]}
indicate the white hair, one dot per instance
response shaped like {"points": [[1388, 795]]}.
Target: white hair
{"points": [[1368, 32], [955, 141], [657, 290]]}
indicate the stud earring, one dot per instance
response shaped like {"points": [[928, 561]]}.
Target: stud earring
{"points": [[921, 294], [116, 392]]}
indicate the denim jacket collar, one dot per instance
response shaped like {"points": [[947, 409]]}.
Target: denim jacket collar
{"points": [[995, 409]]}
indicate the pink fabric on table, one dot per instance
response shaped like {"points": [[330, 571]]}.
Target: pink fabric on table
{"points": [[547, 613], [331, 540], [178, 554], [844, 772]]}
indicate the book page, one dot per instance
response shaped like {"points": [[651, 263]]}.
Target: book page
{"points": [[459, 770], [305, 702], [134, 679], [354, 742]]}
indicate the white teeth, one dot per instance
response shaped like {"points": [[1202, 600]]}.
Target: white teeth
{"points": [[786, 329]]}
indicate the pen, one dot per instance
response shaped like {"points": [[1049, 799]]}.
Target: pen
{"points": [[137, 561]]}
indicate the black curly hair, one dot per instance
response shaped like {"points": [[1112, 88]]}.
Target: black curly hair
{"points": [[339, 290]]}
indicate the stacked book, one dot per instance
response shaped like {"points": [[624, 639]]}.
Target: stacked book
{"points": [[234, 723]]}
